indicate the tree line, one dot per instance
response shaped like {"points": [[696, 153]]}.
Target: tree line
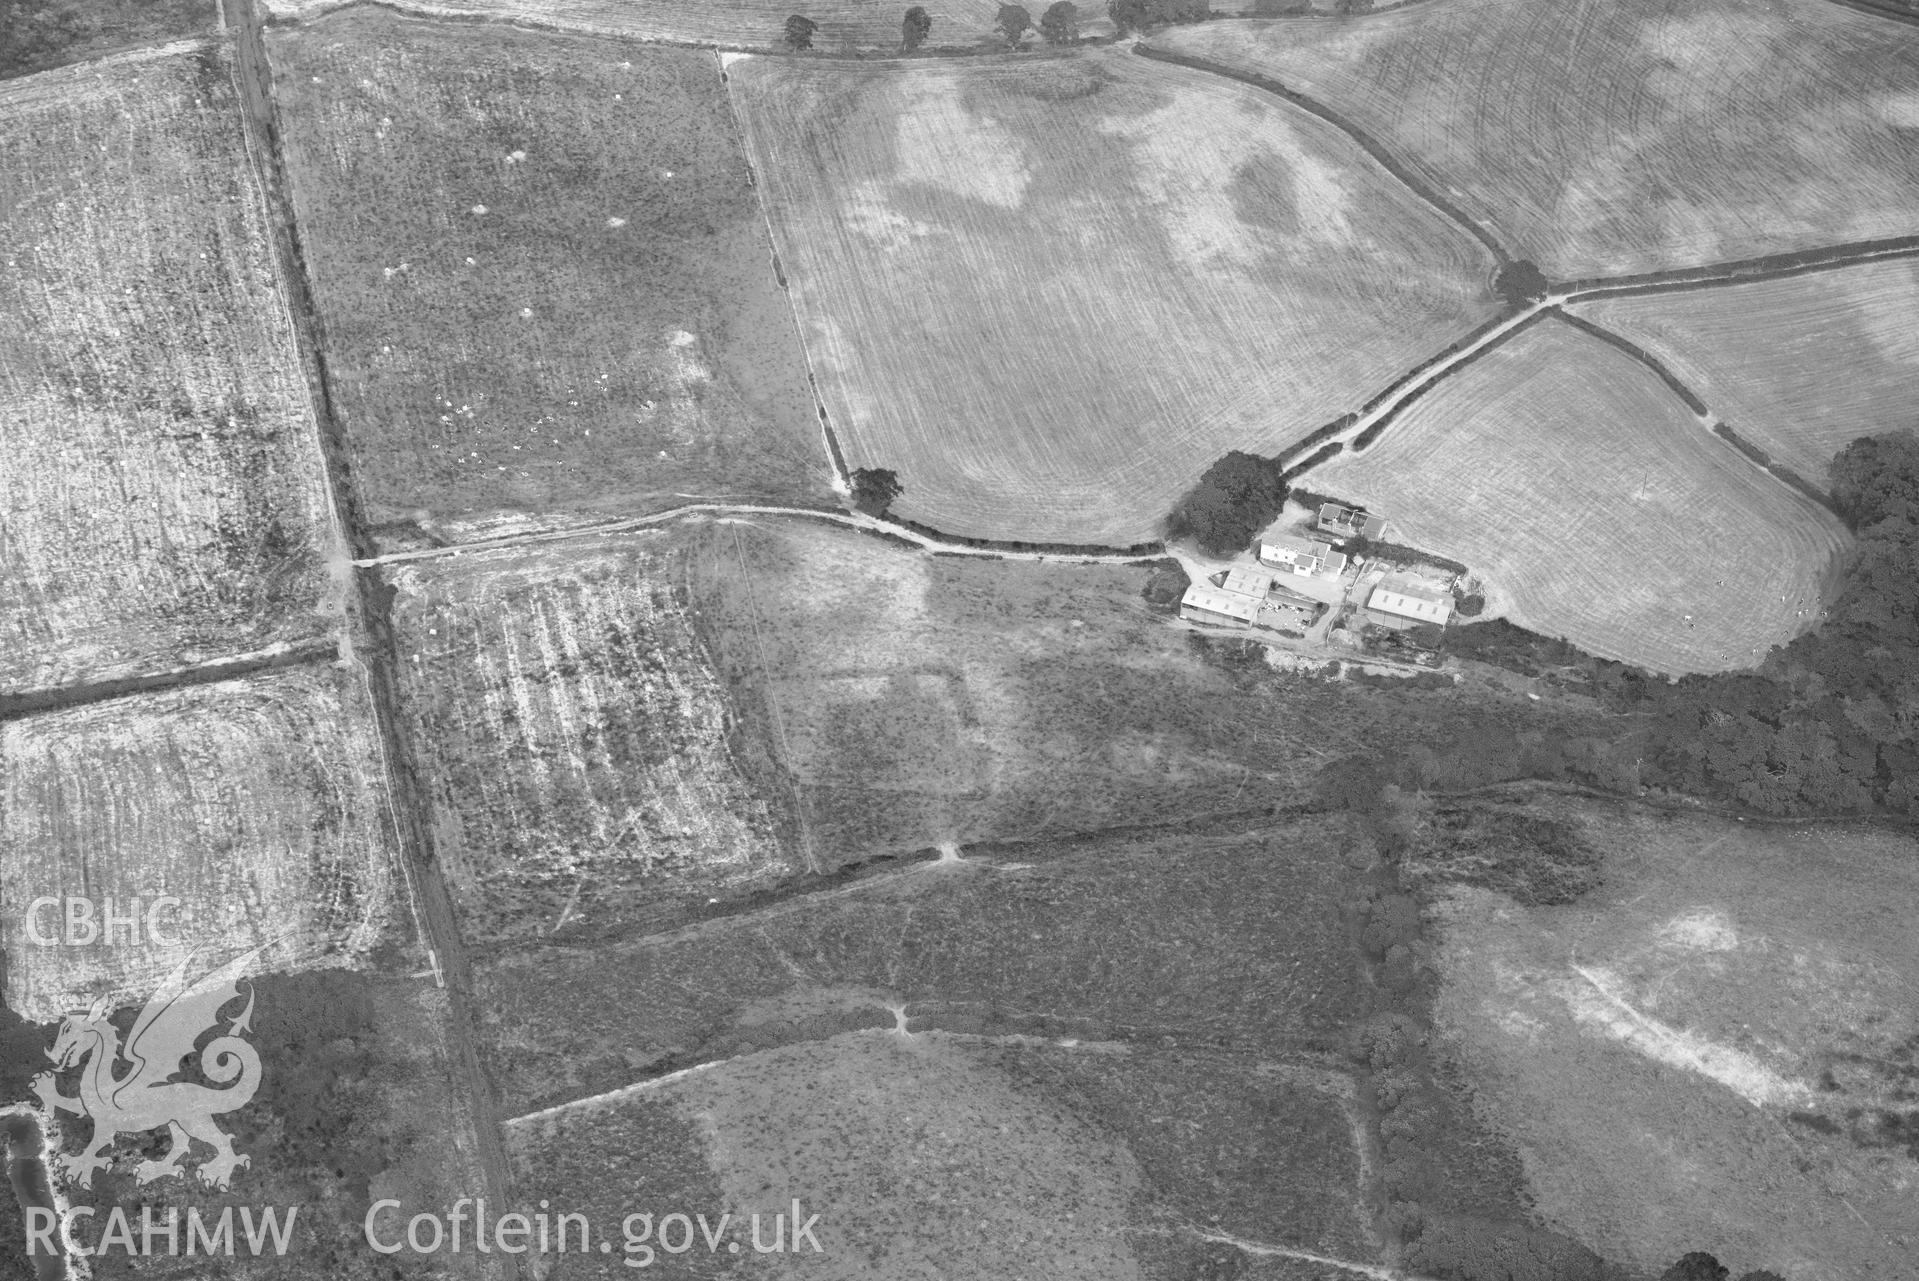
{"points": [[1058, 23]]}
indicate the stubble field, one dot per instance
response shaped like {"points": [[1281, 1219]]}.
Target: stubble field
{"points": [[163, 477], [258, 803], [576, 744], [1798, 366], [1714, 1051], [1571, 479], [1605, 139], [1048, 293], [545, 283]]}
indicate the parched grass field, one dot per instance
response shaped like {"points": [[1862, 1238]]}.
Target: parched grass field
{"points": [[258, 803], [546, 286], [917, 700], [575, 742], [1048, 292], [1716, 1050], [1624, 137], [162, 480], [1568, 477], [844, 25], [1798, 366]]}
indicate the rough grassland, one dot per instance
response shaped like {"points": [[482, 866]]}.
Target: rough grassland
{"points": [[1798, 366], [1715, 1051], [1568, 476], [916, 700], [162, 480], [573, 736], [545, 281], [1048, 293], [46, 33], [1247, 953], [257, 803], [1627, 136], [844, 25]]}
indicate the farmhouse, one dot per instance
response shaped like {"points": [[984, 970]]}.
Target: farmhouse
{"points": [[1303, 556], [1204, 604], [1402, 603], [1344, 522]]}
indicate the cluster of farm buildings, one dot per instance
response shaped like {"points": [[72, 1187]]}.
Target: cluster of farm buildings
{"points": [[1249, 596]]}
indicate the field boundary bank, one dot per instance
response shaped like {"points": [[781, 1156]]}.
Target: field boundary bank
{"points": [[1408, 176], [1908, 16], [1684, 805], [475, 1101], [19, 85], [54, 698], [1752, 454], [1740, 271], [916, 537]]}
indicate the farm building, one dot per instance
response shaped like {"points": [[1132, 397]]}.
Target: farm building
{"points": [[1244, 580], [1401, 603], [1303, 556], [1204, 604], [1345, 522]]}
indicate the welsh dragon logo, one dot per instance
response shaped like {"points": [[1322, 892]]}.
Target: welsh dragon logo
{"points": [[128, 1089]]}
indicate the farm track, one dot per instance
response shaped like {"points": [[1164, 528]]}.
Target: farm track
{"points": [[432, 903], [1742, 271]]}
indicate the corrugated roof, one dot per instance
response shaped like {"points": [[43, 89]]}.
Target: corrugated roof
{"points": [[1247, 581], [1217, 601]]}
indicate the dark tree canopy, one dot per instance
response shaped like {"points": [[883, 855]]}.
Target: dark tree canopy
{"points": [[1877, 477], [1060, 23], [915, 27], [1520, 283], [1238, 496], [1697, 1266], [874, 489], [1128, 15], [1013, 22], [799, 32]]}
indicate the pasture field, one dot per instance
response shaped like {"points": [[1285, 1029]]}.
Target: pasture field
{"points": [[546, 286], [844, 25], [1049, 292], [1712, 1051], [1799, 366], [258, 803], [1628, 137], [1248, 954], [574, 740], [1597, 508], [47, 33], [163, 484]]}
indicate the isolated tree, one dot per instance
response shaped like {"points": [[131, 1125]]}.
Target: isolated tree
{"points": [[1520, 283], [799, 32], [874, 489], [1013, 23], [1697, 1266], [1060, 23], [914, 30]]}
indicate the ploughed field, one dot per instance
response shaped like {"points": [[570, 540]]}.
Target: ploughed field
{"points": [[544, 281], [1625, 137], [1797, 367], [1046, 292], [1597, 507], [163, 484]]}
